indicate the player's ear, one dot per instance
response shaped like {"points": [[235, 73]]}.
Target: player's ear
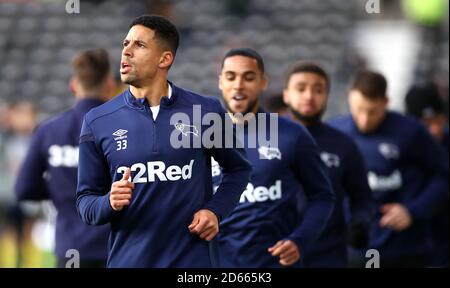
{"points": [[72, 85], [166, 59], [384, 102], [220, 81], [265, 81], [285, 96]]}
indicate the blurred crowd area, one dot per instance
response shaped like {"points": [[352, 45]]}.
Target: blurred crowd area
{"points": [[407, 41]]}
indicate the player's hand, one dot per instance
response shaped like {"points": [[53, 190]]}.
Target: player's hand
{"points": [[121, 191], [287, 251], [205, 224], [395, 216]]}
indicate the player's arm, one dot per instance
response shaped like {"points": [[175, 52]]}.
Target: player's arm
{"points": [[211, 227], [30, 183], [235, 177], [235, 173], [93, 197], [311, 172], [362, 205], [431, 157]]}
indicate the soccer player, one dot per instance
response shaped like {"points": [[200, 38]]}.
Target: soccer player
{"points": [[306, 92], [407, 172], [49, 170], [157, 197], [424, 103], [263, 230]]}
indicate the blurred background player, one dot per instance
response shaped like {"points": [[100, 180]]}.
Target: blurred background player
{"points": [[49, 170], [18, 121], [306, 92], [425, 103], [407, 172], [263, 230]]}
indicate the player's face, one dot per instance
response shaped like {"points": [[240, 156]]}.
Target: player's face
{"points": [[367, 113], [241, 83], [141, 56], [306, 93]]}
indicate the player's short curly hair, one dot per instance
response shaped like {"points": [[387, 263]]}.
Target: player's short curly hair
{"points": [[306, 67], [246, 52], [164, 30], [372, 85], [91, 68]]}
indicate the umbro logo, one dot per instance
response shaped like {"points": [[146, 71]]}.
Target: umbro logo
{"points": [[120, 132]]}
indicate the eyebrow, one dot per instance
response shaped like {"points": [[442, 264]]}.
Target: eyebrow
{"points": [[136, 40], [244, 73], [314, 85], [140, 41]]}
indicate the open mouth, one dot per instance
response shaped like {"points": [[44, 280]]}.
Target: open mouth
{"points": [[239, 97], [124, 67]]}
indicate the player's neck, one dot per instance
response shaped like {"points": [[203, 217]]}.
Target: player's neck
{"points": [[152, 92], [83, 95], [303, 120]]}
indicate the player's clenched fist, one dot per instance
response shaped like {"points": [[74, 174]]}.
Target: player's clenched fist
{"points": [[287, 251], [121, 191], [205, 224]]}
